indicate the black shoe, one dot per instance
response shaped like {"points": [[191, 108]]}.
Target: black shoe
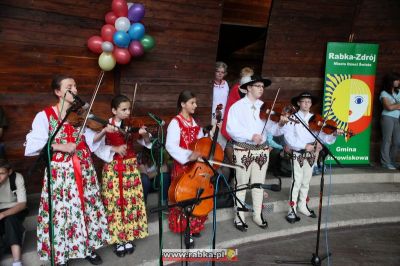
{"points": [[131, 248], [312, 214], [292, 218], [196, 234], [120, 250], [94, 259], [264, 224], [191, 242], [240, 226]]}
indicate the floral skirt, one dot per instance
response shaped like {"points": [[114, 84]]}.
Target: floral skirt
{"points": [[123, 200], [177, 221], [77, 229]]}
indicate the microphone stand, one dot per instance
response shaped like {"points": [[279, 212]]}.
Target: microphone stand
{"points": [[43, 154], [158, 145], [189, 204], [316, 259]]}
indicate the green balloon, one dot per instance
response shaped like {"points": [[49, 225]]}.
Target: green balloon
{"points": [[148, 42], [107, 61]]}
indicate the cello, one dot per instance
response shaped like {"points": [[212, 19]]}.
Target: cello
{"points": [[196, 181]]}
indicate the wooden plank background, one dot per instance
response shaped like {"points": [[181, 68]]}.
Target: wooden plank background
{"points": [[41, 38]]}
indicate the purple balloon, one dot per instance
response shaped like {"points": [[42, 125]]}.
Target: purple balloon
{"points": [[136, 49], [136, 12]]}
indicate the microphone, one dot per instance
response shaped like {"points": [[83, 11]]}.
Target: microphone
{"points": [[78, 101], [158, 119], [272, 187]]}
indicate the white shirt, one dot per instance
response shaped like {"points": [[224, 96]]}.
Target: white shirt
{"points": [[173, 139], [297, 136], [220, 96], [244, 121], [37, 138], [8, 198], [104, 151]]}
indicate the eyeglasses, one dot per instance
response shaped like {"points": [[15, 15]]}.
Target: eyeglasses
{"points": [[306, 101], [258, 86]]}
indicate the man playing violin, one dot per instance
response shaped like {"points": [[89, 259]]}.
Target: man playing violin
{"points": [[302, 147], [251, 150]]}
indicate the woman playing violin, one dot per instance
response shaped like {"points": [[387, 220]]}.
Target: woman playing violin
{"points": [[183, 131], [79, 223], [122, 190], [301, 145]]}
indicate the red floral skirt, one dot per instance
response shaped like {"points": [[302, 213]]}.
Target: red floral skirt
{"points": [[177, 221]]}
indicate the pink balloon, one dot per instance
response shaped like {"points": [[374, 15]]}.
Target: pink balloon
{"points": [[110, 18], [136, 49], [122, 55], [120, 8], [107, 32], [94, 44]]}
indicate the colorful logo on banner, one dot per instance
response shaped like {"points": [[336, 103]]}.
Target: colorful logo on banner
{"points": [[349, 86]]}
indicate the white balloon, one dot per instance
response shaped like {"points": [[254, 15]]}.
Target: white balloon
{"points": [[107, 47], [129, 4], [122, 24]]}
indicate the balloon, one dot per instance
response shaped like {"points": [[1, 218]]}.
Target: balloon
{"points": [[122, 24], [129, 4], [94, 44], [106, 61], [136, 12], [107, 32], [110, 18], [122, 55], [121, 39], [120, 8], [148, 42], [136, 31], [136, 49], [107, 47]]}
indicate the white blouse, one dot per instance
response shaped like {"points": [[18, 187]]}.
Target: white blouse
{"points": [[37, 138], [173, 139]]}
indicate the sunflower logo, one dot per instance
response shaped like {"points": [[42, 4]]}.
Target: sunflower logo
{"points": [[348, 101]]}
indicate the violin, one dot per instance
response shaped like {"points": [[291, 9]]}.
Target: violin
{"points": [[133, 125], [77, 117], [277, 113], [196, 181], [317, 123]]}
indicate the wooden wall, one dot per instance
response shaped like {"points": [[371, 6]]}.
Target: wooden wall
{"points": [[41, 38], [299, 30], [186, 34]]}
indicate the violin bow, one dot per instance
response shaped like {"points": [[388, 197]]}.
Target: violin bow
{"points": [[272, 108], [130, 115], [99, 81]]}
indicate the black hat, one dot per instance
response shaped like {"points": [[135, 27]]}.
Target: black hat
{"points": [[305, 94], [250, 80]]}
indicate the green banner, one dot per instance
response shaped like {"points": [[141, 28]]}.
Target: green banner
{"points": [[348, 98]]}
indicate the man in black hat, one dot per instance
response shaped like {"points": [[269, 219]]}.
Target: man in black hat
{"points": [[251, 149], [302, 147]]}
